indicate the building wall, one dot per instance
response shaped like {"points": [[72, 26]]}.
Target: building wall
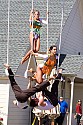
{"points": [[4, 95], [11, 114], [78, 92], [81, 11]]}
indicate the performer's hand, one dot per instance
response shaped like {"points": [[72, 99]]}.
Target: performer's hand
{"points": [[47, 12], [6, 65], [15, 102], [32, 12], [67, 112]]}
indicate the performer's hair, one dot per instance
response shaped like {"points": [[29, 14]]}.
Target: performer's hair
{"points": [[51, 47], [34, 102], [36, 11]]}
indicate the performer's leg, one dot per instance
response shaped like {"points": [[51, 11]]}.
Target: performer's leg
{"points": [[16, 89], [11, 77], [33, 41], [38, 75], [26, 57], [31, 91], [34, 45], [23, 95], [31, 37], [20, 96], [54, 88], [12, 81], [51, 97], [38, 44]]}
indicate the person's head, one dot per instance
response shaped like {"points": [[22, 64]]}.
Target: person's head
{"points": [[34, 102], [36, 14], [61, 99], [53, 49], [79, 101]]}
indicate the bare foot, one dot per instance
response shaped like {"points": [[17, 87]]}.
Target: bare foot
{"points": [[30, 70], [22, 61], [6, 65]]}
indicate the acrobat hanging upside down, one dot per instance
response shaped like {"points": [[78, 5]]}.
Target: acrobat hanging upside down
{"points": [[23, 95]]}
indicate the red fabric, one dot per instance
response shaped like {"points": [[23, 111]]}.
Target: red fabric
{"points": [[78, 109]]}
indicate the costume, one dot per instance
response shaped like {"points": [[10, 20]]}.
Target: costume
{"points": [[48, 63], [37, 24], [78, 113], [23, 95], [63, 107]]}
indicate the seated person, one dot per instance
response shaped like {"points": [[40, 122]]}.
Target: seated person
{"points": [[46, 67]]}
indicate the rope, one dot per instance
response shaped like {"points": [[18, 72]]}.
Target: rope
{"points": [[60, 34], [8, 32], [29, 62], [8, 43], [47, 26], [32, 36], [32, 26], [31, 46]]}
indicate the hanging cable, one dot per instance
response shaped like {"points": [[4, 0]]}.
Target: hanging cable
{"points": [[8, 33], [62, 12], [32, 38], [47, 26], [8, 49], [32, 25]]}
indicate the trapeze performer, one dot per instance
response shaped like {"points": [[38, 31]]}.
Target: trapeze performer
{"points": [[51, 96], [22, 96], [47, 66], [35, 29]]}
